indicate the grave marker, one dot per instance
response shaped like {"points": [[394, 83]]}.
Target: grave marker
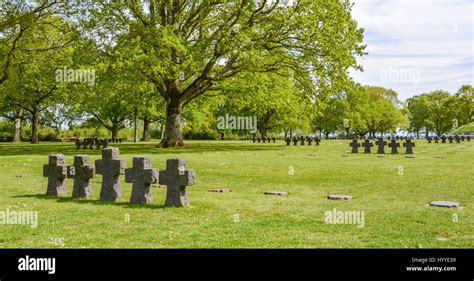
{"points": [[142, 176], [110, 167], [82, 171], [56, 171], [176, 177]]}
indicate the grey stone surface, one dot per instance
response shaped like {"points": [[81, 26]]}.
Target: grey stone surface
{"points": [[339, 197], [448, 204], [276, 193], [220, 190], [394, 145], [367, 145], [110, 167], [176, 177], [381, 146], [56, 171], [355, 146], [142, 176], [409, 146], [81, 171]]}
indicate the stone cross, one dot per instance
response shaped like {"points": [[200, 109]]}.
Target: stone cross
{"points": [[85, 142], [78, 144], [381, 146], [436, 139], [394, 144], [176, 178], [367, 145], [295, 141], [429, 139], [274, 139], [457, 138], [56, 171], [259, 139], [450, 138], [317, 140], [355, 146], [110, 167], [288, 141], [142, 175], [409, 145], [254, 139], [302, 140], [463, 138], [468, 138], [443, 139], [81, 171], [309, 140]]}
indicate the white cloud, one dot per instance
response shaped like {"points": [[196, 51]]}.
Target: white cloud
{"points": [[433, 37]]}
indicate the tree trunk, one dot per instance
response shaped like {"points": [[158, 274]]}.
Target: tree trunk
{"points": [[172, 135], [135, 125], [35, 124], [146, 128], [114, 131], [18, 119]]}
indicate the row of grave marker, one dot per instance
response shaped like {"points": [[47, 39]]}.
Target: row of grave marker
{"points": [[394, 145], [91, 143], [176, 177], [443, 139], [309, 140]]}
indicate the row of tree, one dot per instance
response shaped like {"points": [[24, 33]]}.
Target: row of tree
{"points": [[125, 63]]}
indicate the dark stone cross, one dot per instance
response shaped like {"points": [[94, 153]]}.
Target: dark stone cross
{"points": [[302, 140], [81, 171], [429, 139], [85, 142], [317, 140], [355, 146], [176, 178], [254, 139], [468, 138], [295, 141], [409, 145], [78, 144], [98, 143], [436, 139], [443, 139], [309, 140], [463, 138], [288, 141], [110, 167], [457, 138], [56, 171], [450, 138], [381, 146], [142, 175], [367, 145], [394, 144], [274, 140]]}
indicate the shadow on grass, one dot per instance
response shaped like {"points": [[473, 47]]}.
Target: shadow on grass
{"points": [[145, 148], [89, 201]]}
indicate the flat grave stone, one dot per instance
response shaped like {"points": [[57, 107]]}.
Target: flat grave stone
{"points": [[339, 197], [447, 204], [409, 156], [220, 190], [439, 157], [280, 193]]}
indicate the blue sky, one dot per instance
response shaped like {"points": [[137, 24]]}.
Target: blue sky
{"points": [[416, 46]]}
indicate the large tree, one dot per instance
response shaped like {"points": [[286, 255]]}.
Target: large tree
{"points": [[187, 47]]}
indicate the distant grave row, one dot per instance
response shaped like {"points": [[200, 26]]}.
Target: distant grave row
{"points": [[394, 145], [91, 143], [443, 139]]}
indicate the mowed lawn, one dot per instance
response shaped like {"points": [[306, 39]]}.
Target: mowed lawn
{"points": [[393, 193]]}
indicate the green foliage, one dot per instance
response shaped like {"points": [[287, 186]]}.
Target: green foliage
{"points": [[465, 129]]}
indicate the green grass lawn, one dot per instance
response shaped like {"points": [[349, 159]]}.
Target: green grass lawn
{"points": [[392, 191]]}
